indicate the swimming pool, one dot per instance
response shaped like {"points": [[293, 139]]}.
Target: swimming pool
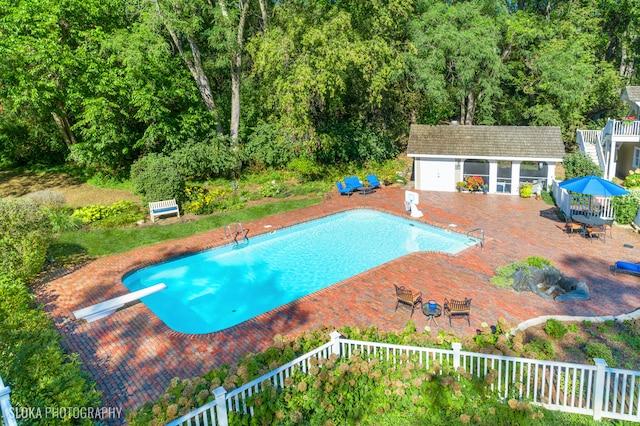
{"points": [[224, 286]]}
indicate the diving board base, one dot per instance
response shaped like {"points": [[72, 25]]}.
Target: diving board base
{"points": [[106, 308]]}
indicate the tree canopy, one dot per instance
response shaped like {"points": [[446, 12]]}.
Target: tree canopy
{"points": [[259, 83]]}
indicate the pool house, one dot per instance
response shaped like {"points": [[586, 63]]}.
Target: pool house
{"points": [[505, 157]]}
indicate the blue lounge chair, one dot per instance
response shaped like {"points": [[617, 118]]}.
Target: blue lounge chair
{"points": [[342, 189], [373, 181], [353, 183], [626, 268]]}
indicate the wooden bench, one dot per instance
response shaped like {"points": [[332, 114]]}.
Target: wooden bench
{"points": [[162, 208], [458, 308], [407, 297]]}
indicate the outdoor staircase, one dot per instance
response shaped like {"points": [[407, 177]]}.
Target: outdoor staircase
{"points": [[589, 142]]}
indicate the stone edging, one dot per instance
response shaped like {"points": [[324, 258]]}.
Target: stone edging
{"points": [[539, 320]]}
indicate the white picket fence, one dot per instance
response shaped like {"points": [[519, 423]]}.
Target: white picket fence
{"points": [[595, 390], [586, 205], [8, 417]]}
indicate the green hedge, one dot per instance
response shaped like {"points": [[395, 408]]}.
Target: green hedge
{"points": [[25, 235], [32, 362]]}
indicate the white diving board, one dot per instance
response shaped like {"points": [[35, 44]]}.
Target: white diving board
{"points": [[106, 308]]}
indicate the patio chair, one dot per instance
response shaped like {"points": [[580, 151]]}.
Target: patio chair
{"points": [[626, 268], [342, 190], [373, 181], [407, 297], [596, 231], [353, 183], [570, 226], [458, 308]]}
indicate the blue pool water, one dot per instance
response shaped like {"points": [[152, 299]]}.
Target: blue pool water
{"points": [[224, 286]]}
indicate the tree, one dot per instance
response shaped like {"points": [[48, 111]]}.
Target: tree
{"points": [[457, 58]]}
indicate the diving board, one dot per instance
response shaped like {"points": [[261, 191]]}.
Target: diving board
{"points": [[106, 308]]}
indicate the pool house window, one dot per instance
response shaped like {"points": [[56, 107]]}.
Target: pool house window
{"points": [[474, 167], [534, 172]]}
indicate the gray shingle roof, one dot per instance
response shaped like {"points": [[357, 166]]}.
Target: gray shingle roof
{"points": [[633, 93], [486, 141]]}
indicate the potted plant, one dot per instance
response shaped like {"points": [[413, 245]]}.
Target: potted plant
{"points": [[475, 183], [462, 186]]}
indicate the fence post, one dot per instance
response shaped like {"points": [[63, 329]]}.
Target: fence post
{"points": [[221, 406], [598, 387], [456, 346], [5, 405], [335, 342]]}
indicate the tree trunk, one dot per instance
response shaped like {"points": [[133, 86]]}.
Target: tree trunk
{"points": [[265, 16], [195, 67], [62, 121], [236, 76]]}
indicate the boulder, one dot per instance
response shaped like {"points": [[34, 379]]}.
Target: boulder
{"points": [[550, 283]]}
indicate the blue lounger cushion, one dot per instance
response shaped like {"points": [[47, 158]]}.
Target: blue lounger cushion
{"points": [[373, 181], [628, 266], [165, 209], [342, 189], [353, 183]]}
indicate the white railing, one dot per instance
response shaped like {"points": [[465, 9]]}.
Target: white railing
{"points": [[594, 390], [591, 141], [592, 206], [5, 405], [623, 128]]}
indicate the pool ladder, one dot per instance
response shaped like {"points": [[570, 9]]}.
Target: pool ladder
{"points": [[238, 233], [481, 242]]}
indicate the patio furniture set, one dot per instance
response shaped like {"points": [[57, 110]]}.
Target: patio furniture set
{"points": [[432, 309], [353, 185]]}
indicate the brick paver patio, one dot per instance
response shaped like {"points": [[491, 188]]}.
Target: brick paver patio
{"points": [[132, 355]]}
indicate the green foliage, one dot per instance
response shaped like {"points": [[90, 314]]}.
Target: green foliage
{"points": [[632, 181], [25, 235], [555, 328], [540, 348], [156, 178], [573, 328], [200, 200], [626, 206], [600, 350], [40, 373], [305, 169], [273, 189], [204, 160], [578, 164], [63, 221], [118, 214], [502, 277], [537, 262], [526, 190]]}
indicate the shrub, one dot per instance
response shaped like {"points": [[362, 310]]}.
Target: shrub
{"points": [[555, 328], [204, 201], [25, 234], [632, 181], [626, 206], [47, 198], [34, 364], [203, 160], [537, 262], [305, 169], [119, 213], [62, 220], [156, 178], [600, 350], [541, 348], [273, 189], [502, 278], [526, 190], [578, 164]]}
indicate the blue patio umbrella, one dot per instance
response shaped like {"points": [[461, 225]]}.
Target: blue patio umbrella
{"points": [[593, 185]]}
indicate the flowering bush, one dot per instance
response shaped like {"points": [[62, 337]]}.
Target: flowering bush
{"points": [[206, 201], [475, 183]]}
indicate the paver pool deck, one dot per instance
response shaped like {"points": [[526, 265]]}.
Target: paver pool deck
{"points": [[132, 355]]}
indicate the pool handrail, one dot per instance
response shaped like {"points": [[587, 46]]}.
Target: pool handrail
{"points": [[106, 308]]}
